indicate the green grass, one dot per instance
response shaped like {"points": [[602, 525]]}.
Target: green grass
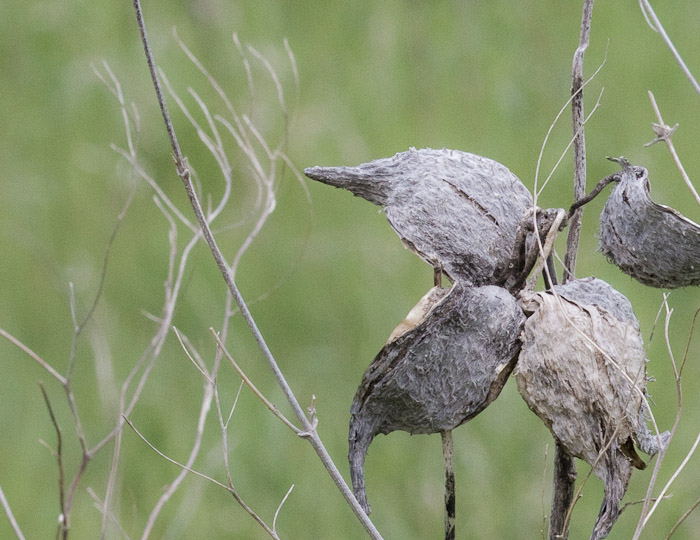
{"points": [[375, 78]]}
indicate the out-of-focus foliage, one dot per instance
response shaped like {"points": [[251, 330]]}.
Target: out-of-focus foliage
{"points": [[375, 78]]}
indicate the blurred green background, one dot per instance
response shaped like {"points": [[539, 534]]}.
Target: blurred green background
{"points": [[375, 78]]}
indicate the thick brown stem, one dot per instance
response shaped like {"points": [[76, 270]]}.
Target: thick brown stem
{"points": [[564, 480], [578, 119]]}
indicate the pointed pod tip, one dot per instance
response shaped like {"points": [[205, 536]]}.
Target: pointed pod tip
{"points": [[313, 172], [622, 161]]}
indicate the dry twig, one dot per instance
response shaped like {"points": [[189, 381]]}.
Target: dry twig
{"points": [[10, 516], [655, 24], [664, 133], [184, 173]]}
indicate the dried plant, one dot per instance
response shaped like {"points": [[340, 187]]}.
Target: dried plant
{"points": [[435, 200], [582, 371], [651, 242], [439, 373]]}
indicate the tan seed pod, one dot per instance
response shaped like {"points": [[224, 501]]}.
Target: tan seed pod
{"points": [[443, 366], [582, 370], [458, 211], [653, 243]]}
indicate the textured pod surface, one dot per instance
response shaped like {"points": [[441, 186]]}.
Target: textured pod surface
{"points": [[582, 370], [438, 373], [651, 242], [457, 211]]}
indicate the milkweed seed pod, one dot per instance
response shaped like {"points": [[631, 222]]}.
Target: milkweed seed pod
{"points": [[458, 211], [533, 232], [651, 242], [582, 370], [441, 367]]}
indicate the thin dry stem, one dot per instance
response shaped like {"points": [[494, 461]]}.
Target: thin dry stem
{"points": [[232, 491], [655, 24], [251, 385], [279, 508], [10, 515], [646, 515], [198, 363], [58, 454], [682, 519], [185, 175], [664, 133], [175, 484], [39, 360], [100, 505], [537, 191]]}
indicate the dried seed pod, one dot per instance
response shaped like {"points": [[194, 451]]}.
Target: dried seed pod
{"points": [[458, 211], [443, 366], [651, 242], [582, 370], [545, 224]]}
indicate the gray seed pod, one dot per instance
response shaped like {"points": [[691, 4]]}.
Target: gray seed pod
{"points": [[442, 366], [651, 242], [591, 401], [458, 211]]}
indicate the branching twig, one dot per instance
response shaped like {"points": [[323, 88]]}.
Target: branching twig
{"points": [[231, 490], [184, 173], [172, 487], [664, 133], [252, 386], [62, 522], [646, 515]]}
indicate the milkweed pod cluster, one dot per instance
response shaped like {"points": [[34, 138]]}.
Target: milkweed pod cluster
{"points": [[581, 364], [458, 211], [472, 219], [582, 370], [653, 243], [441, 367]]}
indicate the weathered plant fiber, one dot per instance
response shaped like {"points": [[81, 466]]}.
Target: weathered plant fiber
{"points": [[442, 366], [651, 242], [458, 211], [582, 370]]}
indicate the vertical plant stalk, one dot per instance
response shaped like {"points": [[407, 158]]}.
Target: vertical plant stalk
{"points": [[448, 453], [563, 496], [183, 172], [578, 120], [564, 467]]}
